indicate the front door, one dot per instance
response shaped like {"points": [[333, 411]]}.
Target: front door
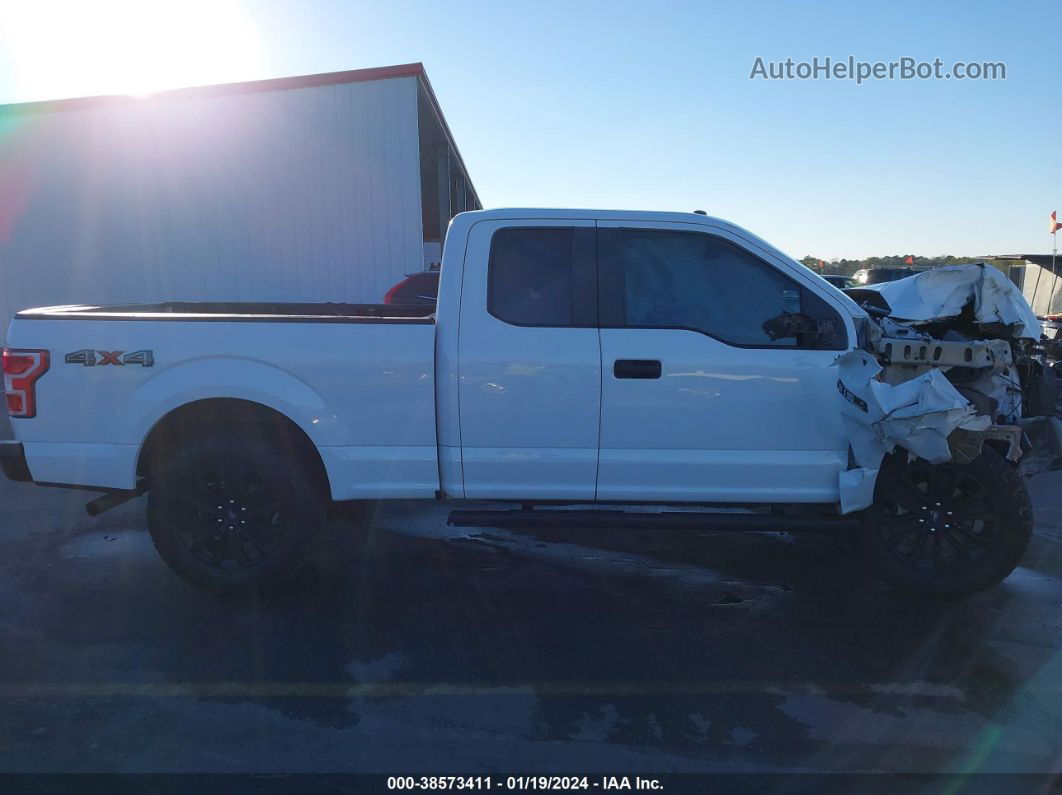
{"points": [[530, 361], [701, 401]]}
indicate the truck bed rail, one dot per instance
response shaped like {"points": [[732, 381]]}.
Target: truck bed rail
{"points": [[237, 311]]}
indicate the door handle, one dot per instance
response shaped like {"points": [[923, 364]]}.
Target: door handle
{"points": [[636, 368]]}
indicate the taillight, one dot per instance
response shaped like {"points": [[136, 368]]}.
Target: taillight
{"points": [[389, 298], [21, 371]]}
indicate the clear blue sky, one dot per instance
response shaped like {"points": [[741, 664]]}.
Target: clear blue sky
{"points": [[639, 105]]}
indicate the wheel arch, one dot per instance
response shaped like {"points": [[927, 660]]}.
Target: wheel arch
{"points": [[216, 414]]}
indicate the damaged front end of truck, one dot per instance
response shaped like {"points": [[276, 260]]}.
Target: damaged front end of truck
{"points": [[949, 361]]}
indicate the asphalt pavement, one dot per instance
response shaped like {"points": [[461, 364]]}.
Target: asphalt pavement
{"points": [[406, 646]]}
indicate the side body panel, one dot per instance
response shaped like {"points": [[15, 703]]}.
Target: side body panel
{"points": [[722, 422], [529, 396], [362, 392]]}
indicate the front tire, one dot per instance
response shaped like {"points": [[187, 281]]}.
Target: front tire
{"points": [[233, 513], [947, 529]]}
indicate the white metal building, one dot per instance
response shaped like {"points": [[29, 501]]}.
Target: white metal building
{"points": [[326, 187]]}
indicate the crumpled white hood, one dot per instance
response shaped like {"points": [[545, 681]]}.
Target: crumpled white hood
{"points": [[943, 292]]}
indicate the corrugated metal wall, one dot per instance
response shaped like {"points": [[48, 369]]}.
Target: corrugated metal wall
{"points": [[311, 194]]}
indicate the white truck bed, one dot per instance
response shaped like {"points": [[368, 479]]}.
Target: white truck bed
{"points": [[362, 388]]}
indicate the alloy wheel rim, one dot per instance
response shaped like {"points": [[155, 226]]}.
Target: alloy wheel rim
{"points": [[230, 520], [938, 519]]}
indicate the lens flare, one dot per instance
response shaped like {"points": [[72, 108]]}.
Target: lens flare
{"points": [[58, 49]]}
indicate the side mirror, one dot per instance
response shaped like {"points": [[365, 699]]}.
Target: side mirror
{"points": [[809, 332]]}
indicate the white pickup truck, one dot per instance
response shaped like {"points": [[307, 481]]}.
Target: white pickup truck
{"points": [[577, 362]]}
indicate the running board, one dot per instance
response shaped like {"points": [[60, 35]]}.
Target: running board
{"points": [[661, 520]]}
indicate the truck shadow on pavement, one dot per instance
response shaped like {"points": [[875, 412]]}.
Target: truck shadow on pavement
{"points": [[714, 646]]}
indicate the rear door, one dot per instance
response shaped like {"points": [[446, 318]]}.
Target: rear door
{"points": [[530, 361], [701, 402]]}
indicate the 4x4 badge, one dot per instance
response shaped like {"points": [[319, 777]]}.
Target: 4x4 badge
{"points": [[88, 358]]}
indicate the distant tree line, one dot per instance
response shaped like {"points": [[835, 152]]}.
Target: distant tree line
{"points": [[846, 267]]}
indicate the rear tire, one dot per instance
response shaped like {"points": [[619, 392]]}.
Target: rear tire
{"points": [[233, 513], [947, 529]]}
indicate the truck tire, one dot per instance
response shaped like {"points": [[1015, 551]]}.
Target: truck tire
{"points": [[233, 513], [947, 529]]}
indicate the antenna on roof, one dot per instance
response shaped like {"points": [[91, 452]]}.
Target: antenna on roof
{"points": [[700, 212]]}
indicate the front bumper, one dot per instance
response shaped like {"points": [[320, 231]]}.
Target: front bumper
{"points": [[13, 462]]}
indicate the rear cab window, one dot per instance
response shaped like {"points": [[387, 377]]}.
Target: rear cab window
{"points": [[542, 276]]}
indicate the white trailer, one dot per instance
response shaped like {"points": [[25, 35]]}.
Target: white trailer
{"points": [[1037, 276], [325, 187]]}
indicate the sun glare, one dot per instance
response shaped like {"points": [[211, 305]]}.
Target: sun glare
{"points": [[65, 49]]}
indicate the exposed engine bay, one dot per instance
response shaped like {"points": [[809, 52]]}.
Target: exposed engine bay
{"points": [[949, 361]]}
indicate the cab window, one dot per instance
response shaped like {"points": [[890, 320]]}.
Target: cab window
{"points": [[696, 281]]}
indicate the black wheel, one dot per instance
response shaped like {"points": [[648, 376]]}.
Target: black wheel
{"points": [[233, 513], [947, 529]]}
